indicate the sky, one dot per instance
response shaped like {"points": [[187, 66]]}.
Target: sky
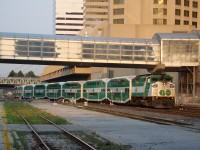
{"points": [[25, 16]]}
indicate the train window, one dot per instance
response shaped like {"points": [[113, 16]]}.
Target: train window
{"points": [[84, 90], [126, 90], [154, 79], [79, 91], [93, 94], [168, 79], [102, 90], [70, 94]]}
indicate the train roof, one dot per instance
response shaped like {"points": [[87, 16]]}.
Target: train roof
{"points": [[61, 83], [155, 76], [104, 80], [81, 82], [126, 77]]}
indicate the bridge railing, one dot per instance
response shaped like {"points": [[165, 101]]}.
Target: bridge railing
{"points": [[19, 81]]}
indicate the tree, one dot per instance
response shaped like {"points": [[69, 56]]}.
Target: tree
{"points": [[12, 74], [20, 74], [30, 74]]}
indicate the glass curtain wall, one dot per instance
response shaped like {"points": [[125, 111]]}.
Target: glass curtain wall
{"points": [[184, 51]]}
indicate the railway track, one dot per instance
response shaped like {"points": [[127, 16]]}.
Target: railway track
{"points": [[40, 141], [129, 112], [139, 117], [44, 145], [187, 110]]}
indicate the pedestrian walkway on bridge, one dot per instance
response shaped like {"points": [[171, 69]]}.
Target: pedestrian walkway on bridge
{"points": [[170, 49]]}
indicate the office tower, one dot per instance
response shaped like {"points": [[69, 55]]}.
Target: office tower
{"points": [[140, 18], [68, 17]]}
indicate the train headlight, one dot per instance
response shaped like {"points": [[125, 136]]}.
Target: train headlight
{"points": [[154, 85], [172, 86]]}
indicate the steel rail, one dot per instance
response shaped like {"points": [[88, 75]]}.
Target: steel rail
{"points": [[34, 132], [68, 134], [186, 112], [139, 117]]}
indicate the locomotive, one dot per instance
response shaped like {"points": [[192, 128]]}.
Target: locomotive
{"points": [[150, 90]]}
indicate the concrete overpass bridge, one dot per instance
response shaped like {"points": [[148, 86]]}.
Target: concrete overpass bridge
{"points": [[165, 51]]}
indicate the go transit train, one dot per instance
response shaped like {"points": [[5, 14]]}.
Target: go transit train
{"points": [[150, 90]]}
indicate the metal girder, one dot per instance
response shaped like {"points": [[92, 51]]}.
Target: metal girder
{"points": [[19, 81]]}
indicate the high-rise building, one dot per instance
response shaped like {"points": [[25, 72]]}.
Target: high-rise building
{"points": [[140, 18], [137, 19], [68, 17]]}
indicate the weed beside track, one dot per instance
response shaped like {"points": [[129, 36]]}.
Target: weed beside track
{"points": [[13, 117]]}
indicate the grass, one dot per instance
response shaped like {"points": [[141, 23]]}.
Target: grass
{"points": [[24, 108], [15, 143], [22, 138], [99, 142]]}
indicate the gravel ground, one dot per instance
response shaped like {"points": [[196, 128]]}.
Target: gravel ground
{"points": [[55, 141], [139, 134]]}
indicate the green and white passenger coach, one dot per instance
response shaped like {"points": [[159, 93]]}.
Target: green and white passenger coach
{"points": [[119, 89], [28, 91], [72, 90], [95, 90], [54, 90], [40, 91], [19, 92]]}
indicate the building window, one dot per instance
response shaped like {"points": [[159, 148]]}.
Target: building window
{"points": [[160, 2], [177, 22], [160, 21], [164, 11], [118, 21], [186, 22], [96, 13], [186, 3], [178, 2], [161, 11], [118, 1], [186, 13], [177, 12], [119, 11], [96, 0], [195, 4], [194, 14], [194, 24], [164, 21]]}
